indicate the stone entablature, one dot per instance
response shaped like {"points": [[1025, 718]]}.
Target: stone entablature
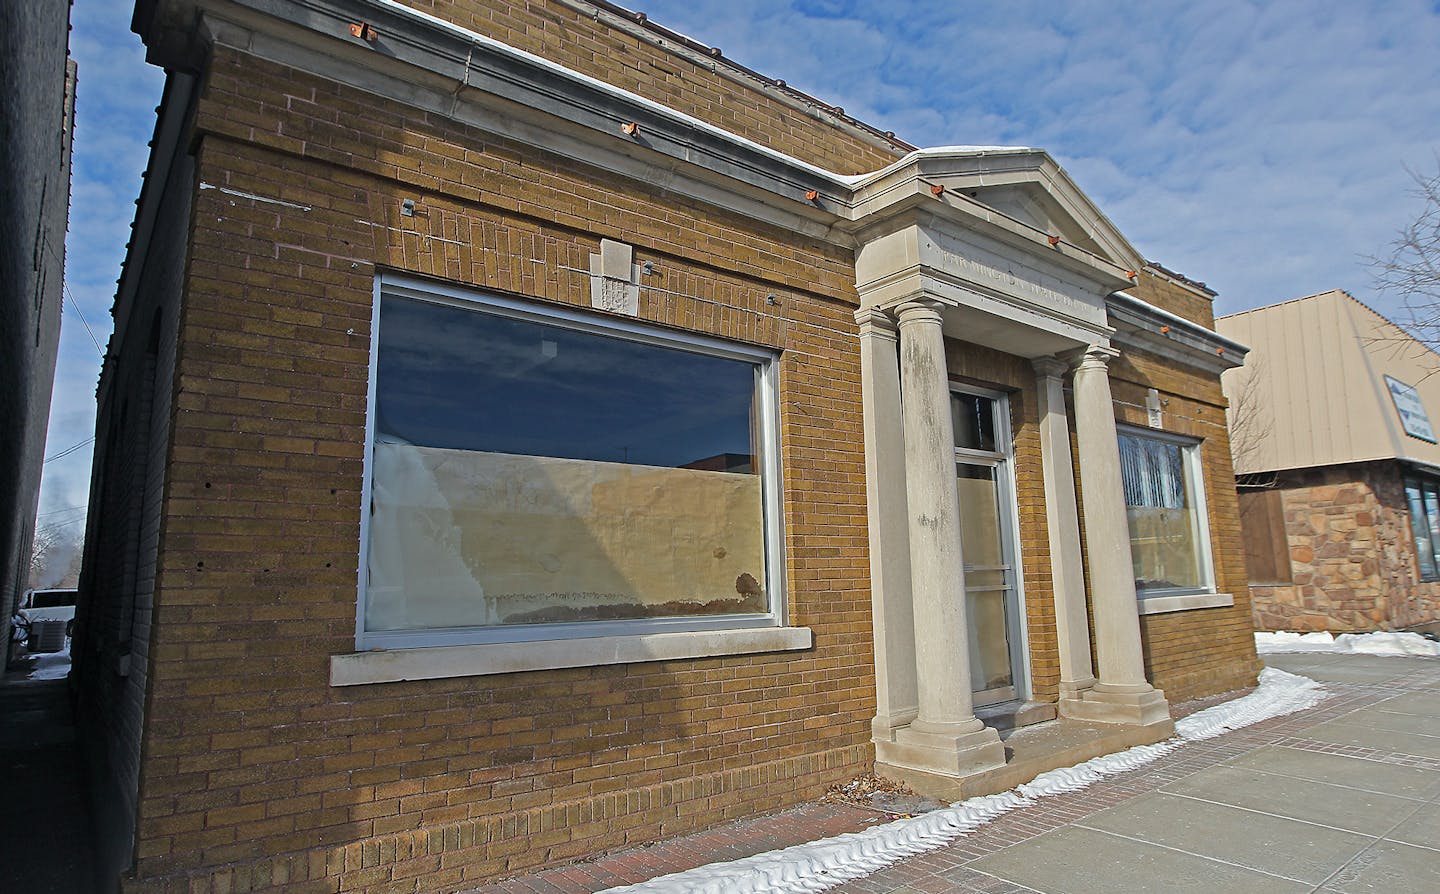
{"points": [[1022, 303]]}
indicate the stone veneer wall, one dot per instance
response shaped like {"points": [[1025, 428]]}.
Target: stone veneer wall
{"points": [[1352, 555]]}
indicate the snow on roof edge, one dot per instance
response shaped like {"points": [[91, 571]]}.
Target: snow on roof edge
{"points": [[847, 180]]}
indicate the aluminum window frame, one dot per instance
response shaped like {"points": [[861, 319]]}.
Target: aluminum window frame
{"points": [[1422, 483], [1194, 471], [766, 362]]}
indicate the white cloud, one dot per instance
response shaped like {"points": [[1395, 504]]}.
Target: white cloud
{"points": [[1259, 146]]}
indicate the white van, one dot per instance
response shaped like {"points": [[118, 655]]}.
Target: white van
{"points": [[51, 608]]}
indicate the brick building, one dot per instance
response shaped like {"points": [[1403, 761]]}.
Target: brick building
{"points": [[37, 117], [1340, 492], [585, 346]]}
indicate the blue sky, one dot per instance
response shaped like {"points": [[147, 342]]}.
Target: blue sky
{"points": [[1259, 146], [114, 118]]}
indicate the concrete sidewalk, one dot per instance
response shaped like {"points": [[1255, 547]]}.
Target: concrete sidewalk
{"points": [[1344, 797]]}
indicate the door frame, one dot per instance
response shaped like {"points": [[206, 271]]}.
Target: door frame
{"points": [[1003, 460]]}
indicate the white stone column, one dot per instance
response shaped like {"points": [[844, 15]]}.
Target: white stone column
{"points": [[892, 613], [1067, 572], [1123, 690], [946, 736]]}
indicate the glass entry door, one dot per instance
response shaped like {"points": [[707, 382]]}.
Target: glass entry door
{"points": [[982, 469]]}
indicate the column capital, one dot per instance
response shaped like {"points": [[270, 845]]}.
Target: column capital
{"points": [[1096, 357], [919, 310], [1049, 367], [874, 321]]}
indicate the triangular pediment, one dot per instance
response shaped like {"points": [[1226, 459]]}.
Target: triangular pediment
{"points": [[1032, 204], [1027, 185]]}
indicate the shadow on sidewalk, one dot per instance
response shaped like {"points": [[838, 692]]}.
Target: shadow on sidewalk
{"points": [[45, 822]]}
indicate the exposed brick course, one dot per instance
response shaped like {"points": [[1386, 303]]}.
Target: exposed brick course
{"points": [[1166, 293]]}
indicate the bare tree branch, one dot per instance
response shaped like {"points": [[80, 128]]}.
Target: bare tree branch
{"points": [[1412, 269], [54, 556], [1250, 416]]}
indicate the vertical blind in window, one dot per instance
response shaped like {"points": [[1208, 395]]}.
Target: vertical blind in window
{"points": [[1153, 473], [1165, 541]]}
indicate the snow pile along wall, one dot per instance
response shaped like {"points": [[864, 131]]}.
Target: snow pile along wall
{"points": [[1383, 643]]}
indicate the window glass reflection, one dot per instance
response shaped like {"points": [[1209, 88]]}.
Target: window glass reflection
{"points": [[1160, 508], [524, 472], [974, 420], [460, 379]]}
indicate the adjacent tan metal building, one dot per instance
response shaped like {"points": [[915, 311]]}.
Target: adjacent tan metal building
{"points": [[1333, 427]]}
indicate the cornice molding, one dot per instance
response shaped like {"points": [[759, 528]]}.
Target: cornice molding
{"points": [[1139, 324]]}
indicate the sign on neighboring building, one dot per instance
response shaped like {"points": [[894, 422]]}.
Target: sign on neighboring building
{"points": [[1412, 412]]}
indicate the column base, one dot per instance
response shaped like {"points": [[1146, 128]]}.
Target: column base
{"points": [[944, 753], [1134, 705], [1030, 751], [883, 727], [1077, 688]]}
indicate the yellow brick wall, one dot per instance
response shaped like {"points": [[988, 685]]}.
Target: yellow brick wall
{"points": [[1168, 295], [1201, 651], [250, 755]]}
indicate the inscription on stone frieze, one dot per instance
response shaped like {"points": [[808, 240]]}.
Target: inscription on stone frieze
{"points": [[1004, 275]]}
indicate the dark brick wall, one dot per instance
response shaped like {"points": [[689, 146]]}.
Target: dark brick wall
{"points": [[34, 204], [112, 648]]}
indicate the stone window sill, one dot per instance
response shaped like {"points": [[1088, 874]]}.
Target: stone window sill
{"points": [[439, 662], [1158, 605]]}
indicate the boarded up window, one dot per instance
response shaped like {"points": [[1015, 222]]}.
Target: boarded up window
{"points": [[1267, 552]]}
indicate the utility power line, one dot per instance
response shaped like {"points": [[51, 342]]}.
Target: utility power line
{"points": [[71, 449]]}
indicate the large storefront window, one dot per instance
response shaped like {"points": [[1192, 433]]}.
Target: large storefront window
{"points": [[1168, 541], [1423, 497], [536, 474]]}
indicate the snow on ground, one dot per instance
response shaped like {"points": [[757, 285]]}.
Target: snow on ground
{"points": [[50, 665], [1382, 643], [828, 862]]}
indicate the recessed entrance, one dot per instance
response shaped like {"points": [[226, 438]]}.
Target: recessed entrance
{"points": [[987, 533]]}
